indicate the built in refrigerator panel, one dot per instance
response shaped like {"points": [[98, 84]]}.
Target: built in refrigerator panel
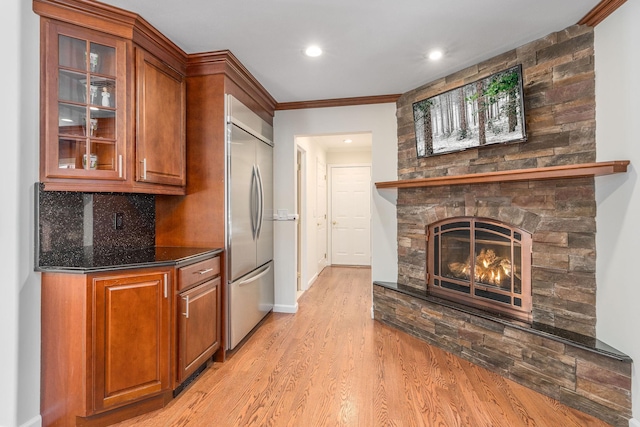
{"points": [[242, 203], [264, 162], [242, 116], [250, 299]]}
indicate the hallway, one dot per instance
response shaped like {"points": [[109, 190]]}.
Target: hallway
{"points": [[330, 364]]}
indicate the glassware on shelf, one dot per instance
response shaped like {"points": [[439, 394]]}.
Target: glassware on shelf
{"points": [[93, 161], [93, 62]]}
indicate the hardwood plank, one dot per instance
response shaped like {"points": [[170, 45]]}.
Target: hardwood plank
{"points": [[330, 364]]}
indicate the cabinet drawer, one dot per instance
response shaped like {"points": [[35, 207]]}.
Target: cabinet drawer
{"points": [[198, 273]]}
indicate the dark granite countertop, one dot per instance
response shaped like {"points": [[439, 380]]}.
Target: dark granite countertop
{"points": [[89, 259], [590, 344]]}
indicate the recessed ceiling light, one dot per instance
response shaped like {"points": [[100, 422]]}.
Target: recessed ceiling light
{"points": [[434, 55], [313, 51], [347, 141]]}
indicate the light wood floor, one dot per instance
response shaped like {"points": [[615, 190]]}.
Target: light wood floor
{"points": [[332, 365]]}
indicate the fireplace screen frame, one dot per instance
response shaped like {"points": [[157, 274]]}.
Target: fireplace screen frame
{"points": [[473, 292]]}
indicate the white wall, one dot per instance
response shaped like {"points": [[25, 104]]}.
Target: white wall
{"points": [[349, 157], [20, 302], [380, 120], [618, 196]]}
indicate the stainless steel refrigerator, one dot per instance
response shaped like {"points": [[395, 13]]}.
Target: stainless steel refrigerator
{"points": [[250, 220]]}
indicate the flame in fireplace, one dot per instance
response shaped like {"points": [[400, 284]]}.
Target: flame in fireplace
{"points": [[489, 268]]}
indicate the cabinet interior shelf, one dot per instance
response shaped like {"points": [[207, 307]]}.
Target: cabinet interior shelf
{"points": [[536, 174]]}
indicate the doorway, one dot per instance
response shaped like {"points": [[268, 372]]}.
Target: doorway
{"points": [[300, 209], [350, 200], [321, 215]]}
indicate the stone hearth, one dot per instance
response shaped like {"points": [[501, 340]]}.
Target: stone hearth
{"points": [[559, 355]]}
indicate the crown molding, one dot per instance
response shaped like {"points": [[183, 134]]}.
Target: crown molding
{"points": [[225, 62], [338, 102], [600, 12]]}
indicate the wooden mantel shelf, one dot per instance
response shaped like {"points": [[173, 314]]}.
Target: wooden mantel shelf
{"points": [[536, 174]]}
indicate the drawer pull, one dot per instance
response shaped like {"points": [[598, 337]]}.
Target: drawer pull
{"points": [[201, 272], [186, 314]]}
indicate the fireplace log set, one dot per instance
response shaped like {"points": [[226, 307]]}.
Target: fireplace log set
{"points": [[489, 269]]}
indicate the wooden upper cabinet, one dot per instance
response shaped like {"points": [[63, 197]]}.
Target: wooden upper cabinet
{"points": [[161, 122], [84, 106], [113, 101]]}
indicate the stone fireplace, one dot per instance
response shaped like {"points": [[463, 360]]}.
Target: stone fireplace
{"points": [[543, 227]]}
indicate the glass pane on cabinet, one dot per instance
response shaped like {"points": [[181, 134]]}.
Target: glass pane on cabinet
{"points": [[103, 123], [71, 119], [72, 53], [102, 59], [70, 153], [72, 86], [103, 156], [103, 92]]}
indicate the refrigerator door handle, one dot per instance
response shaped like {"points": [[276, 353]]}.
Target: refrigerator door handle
{"points": [[252, 203], [261, 202], [256, 277]]}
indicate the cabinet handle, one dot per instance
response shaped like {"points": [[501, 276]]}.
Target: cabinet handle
{"points": [[166, 286], [120, 166], [144, 169], [203, 271], [186, 313]]}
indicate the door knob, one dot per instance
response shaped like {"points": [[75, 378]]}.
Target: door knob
{"points": [[335, 222]]}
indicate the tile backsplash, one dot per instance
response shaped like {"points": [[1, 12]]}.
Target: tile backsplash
{"points": [[72, 221]]}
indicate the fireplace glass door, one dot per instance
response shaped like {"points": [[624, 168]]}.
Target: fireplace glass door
{"points": [[482, 263]]}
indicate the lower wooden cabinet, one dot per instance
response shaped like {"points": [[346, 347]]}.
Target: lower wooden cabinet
{"points": [[131, 330], [117, 344], [106, 345], [199, 315], [198, 326]]}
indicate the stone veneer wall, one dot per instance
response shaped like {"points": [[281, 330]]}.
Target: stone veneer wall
{"points": [[559, 86], [588, 381]]}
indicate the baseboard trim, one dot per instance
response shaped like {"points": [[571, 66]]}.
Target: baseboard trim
{"points": [[634, 423], [280, 308], [312, 281], [33, 422]]}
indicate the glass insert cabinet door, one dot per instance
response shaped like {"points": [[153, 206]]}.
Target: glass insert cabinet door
{"points": [[85, 130]]}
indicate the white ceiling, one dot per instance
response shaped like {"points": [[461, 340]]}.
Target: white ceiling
{"points": [[371, 47]]}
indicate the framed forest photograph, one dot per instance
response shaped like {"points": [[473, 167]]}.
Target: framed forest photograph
{"points": [[486, 112]]}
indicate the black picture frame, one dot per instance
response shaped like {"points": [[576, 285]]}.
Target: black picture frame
{"points": [[486, 112]]}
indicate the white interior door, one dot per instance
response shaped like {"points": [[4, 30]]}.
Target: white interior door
{"points": [[321, 215], [350, 215]]}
